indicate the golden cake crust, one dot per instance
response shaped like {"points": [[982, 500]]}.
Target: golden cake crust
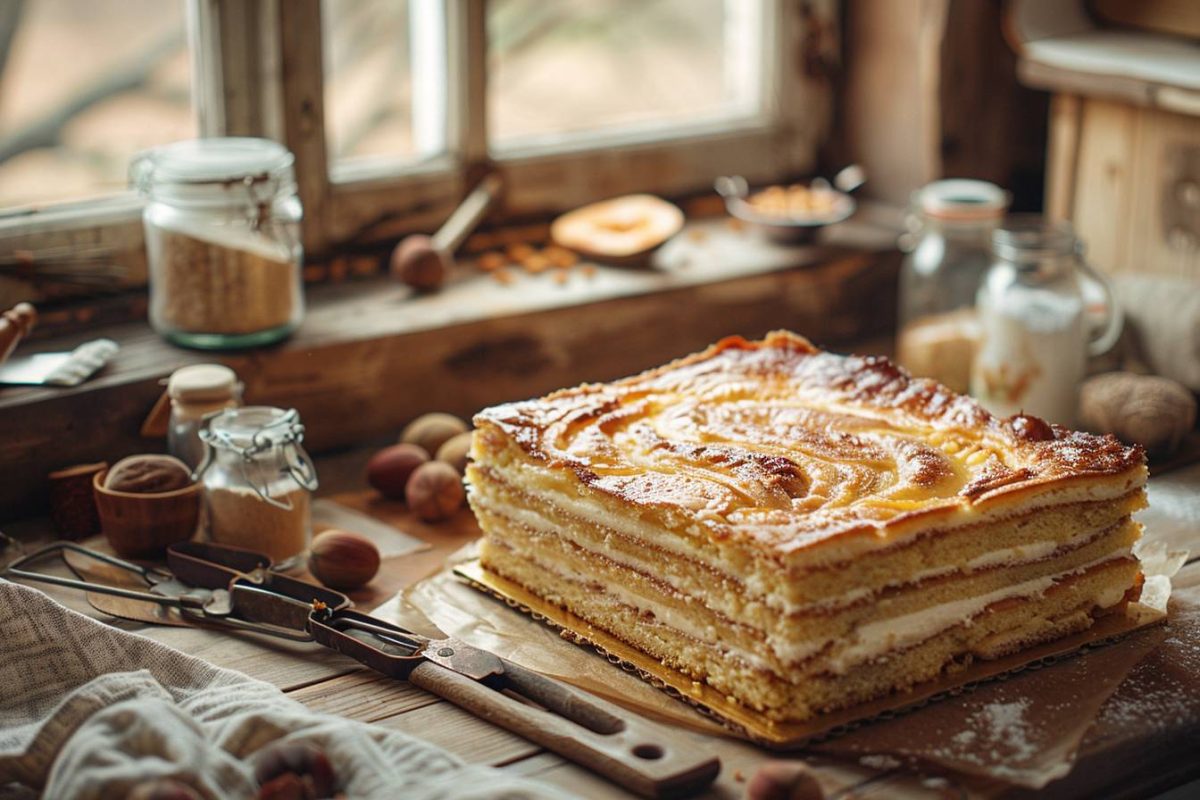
{"points": [[782, 443]]}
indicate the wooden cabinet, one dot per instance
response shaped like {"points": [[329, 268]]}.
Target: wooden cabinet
{"points": [[1123, 159], [1128, 176]]}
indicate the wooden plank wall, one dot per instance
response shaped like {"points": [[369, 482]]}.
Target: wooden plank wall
{"points": [[1129, 178]]}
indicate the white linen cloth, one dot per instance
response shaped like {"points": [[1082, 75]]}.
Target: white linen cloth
{"points": [[88, 711]]}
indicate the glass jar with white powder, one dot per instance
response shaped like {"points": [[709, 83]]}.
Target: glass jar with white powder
{"points": [[1042, 312]]}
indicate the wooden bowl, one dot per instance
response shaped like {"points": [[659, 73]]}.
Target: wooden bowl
{"points": [[145, 524]]}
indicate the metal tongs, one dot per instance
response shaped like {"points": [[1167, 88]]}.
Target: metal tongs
{"points": [[224, 586]]}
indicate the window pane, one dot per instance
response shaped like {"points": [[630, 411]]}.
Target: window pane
{"points": [[373, 107], [85, 84], [588, 65]]}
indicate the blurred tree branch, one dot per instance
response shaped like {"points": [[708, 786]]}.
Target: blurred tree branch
{"points": [[47, 131]]}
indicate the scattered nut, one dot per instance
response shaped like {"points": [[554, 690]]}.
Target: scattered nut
{"points": [[148, 474], [561, 277], [455, 451], [535, 263], [503, 277], [388, 470], [431, 431], [435, 491], [343, 560], [560, 257], [278, 768], [491, 261], [519, 251]]}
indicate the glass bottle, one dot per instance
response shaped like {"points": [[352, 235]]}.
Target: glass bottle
{"points": [[222, 223], [197, 391], [1036, 330], [948, 252], [257, 482]]}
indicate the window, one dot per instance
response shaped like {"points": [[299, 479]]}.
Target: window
{"points": [[573, 100], [556, 70], [83, 86], [375, 112]]}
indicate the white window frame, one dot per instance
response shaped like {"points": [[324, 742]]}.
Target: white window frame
{"points": [[256, 74]]}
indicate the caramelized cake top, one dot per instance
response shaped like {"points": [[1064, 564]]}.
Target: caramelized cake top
{"points": [[787, 444]]}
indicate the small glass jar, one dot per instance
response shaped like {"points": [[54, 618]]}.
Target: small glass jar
{"points": [[1037, 328], [947, 253], [197, 391], [222, 223], [257, 482]]}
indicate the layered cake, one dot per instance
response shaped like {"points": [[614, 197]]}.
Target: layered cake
{"points": [[801, 530]]}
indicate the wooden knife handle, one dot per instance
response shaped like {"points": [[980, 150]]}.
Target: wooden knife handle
{"points": [[648, 759]]}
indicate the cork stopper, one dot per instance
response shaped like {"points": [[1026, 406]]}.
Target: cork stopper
{"points": [[202, 383]]}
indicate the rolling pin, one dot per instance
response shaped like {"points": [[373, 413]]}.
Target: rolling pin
{"points": [[15, 324], [422, 261]]}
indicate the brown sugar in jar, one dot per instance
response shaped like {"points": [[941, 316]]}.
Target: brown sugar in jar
{"points": [[257, 482], [222, 241]]}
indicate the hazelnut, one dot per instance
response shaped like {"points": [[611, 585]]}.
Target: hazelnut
{"points": [[148, 474], [435, 491], [455, 451], [560, 257], [388, 470], [431, 431], [536, 262], [294, 770], [343, 560], [491, 261], [519, 251], [784, 780]]}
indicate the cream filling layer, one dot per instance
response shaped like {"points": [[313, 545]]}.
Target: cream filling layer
{"points": [[874, 639], [1005, 557], [868, 641], [563, 493]]}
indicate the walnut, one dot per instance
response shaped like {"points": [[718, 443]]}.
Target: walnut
{"points": [[1141, 409]]}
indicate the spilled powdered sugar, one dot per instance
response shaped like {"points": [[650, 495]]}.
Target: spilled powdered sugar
{"points": [[1166, 699], [879, 761], [1003, 726]]}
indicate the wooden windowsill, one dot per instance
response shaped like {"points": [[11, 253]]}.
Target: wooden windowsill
{"points": [[370, 356]]}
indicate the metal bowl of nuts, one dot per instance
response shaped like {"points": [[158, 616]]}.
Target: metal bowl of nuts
{"points": [[791, 214]]}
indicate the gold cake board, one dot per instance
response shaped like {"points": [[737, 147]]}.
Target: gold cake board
{"points": [[752, 725]]}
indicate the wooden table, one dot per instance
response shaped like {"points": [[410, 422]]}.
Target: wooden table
{"points": [[1122, 763]]}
